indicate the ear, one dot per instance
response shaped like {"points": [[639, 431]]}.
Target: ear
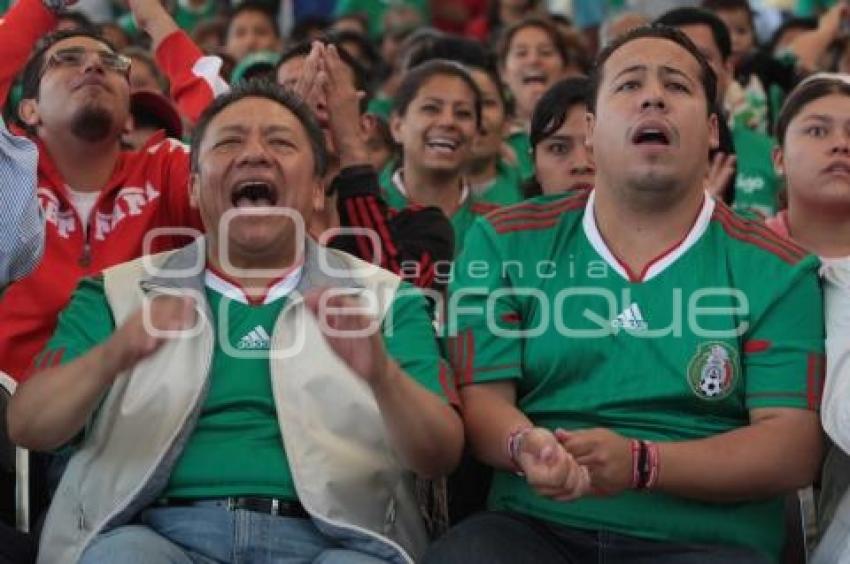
{"points": [[129, 124], [778, 160], [367, 124], [28, 112], [195, 190], [395, 127], [589, 127], [713, 132]]}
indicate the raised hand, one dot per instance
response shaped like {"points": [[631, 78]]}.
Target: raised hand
{"points": [[351, 332], [145, 332]]}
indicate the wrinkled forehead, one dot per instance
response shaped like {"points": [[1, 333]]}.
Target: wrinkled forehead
{"points": [[254, 114], [652, 54], [88, 43]]}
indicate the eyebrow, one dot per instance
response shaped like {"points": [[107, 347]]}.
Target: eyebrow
{"points": [[818, 117], [664, 68]]}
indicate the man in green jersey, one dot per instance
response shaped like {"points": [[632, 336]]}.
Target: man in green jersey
{"points": [[233, 400], [641, 366]]}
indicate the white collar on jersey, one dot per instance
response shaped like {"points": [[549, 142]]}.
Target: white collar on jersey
{"points": [[398, 182], [660, 263], [279, 289]]}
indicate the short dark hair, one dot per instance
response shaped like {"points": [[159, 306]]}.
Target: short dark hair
{"points": [[471, 54], [680, 17], [656, 31], [417, 76], [551, 110], [813, 88], [729, 5], [252, 6], [804, 24], [259, 88], [302, 49], [540, 23], [31, 75]]}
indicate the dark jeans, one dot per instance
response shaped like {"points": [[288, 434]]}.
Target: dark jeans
{"points": [[511, 538]]}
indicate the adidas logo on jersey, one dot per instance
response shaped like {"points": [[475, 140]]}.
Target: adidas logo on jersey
{"points": [[631, 319], [256, 339]]}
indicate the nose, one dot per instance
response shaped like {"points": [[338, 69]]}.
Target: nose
{"points": [[254, 152], [582, 165], [446, 117], [841, 146], [653, 96], [93, 62]]}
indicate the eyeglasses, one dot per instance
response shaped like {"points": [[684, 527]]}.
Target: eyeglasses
{"points": [[73, 57]]}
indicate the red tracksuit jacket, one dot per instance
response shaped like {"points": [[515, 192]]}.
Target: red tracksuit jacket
{"points": [[148, 189]]}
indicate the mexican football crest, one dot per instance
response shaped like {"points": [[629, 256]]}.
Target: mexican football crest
{"points": [[714, 370]]}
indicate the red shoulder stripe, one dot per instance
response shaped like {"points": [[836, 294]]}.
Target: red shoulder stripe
{"points": [[529, 226], [537, 215], [529, 206], [735, 232], [483, 208], [761, 231]]}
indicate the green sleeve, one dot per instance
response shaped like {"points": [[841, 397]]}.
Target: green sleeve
{"points": [[484, 313], [783, 359], [84, 323], [412, 342]]}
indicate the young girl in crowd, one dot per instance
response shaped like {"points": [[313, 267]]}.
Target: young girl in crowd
{"points": [[436, 118], [532, 57], [562, 162], [492, 178], [813, 132]]}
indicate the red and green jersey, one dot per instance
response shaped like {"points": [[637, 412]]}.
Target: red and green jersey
{"points": [[236, 446], [462, 219], [728, 321], [756, 182]]}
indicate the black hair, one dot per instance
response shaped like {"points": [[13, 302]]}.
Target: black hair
{"points": [[656, 31], [258, 88], [729, 5], [302, 30], [494, 21], [418, 76], [471, 54], [805, 24], [252, 6], [367, 47], [361, 77], [549, 115], [813, 88], [540, 23], [552, 108], [31, 75], [696, 16]]}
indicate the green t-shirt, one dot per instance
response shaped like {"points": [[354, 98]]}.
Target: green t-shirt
{"points": [[756, 182], [505, 189], [236, 446], [521, 145], [606, 348], [462, 219]]}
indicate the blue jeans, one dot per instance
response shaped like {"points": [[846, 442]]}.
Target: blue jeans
{"points": [[208, 533], [510, 538]]}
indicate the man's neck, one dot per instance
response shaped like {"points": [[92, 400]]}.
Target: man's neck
{"points": [[84, 166], [255, 286], [432, 189], [821, 233], [638, 231]]}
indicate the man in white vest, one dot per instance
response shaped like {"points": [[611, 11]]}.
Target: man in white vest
{"points": [[251, 397]]}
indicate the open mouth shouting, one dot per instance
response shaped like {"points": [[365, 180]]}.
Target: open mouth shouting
{"points": [[652, 134], [253, 194]]}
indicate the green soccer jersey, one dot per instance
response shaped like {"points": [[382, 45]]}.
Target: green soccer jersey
{"points": [[236, 447], [520, 143], [462, 219], [728, 321], [505, 189], [756, 183]]}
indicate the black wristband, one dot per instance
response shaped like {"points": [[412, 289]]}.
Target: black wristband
{"points": [[643, 465]]}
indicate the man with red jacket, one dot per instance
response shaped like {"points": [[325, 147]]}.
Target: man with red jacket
{"points": [[101, 204]]}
